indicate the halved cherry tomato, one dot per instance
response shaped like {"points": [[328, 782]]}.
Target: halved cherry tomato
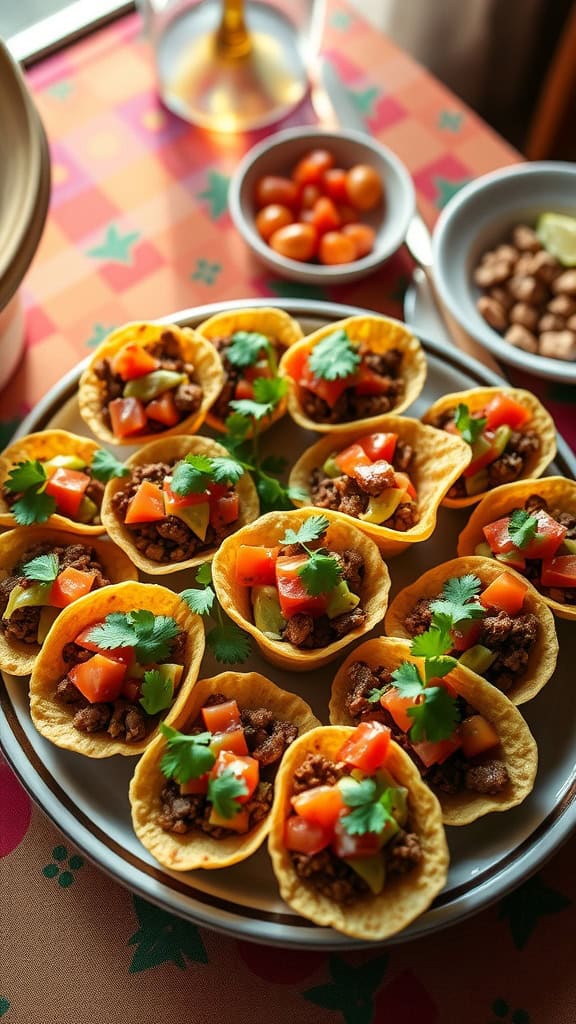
{"points": [[256, 565], [546, 541], [351, 457], [295, 242], [336, 248], [436, 753], [379, 446], [363, 237], [69, 585], [345, 845], [234, 740], [506, 592], [477, 735], [273, 189], [127, 416], [404, 483], [367, 747], [147, 505], [133, 361], [220, 717], [98, 679], [364, 187], [245, 768], [272, 217], [465, 634], [304, 837], [505, 411], [559, 571], [67, 487], [322, 805], [163, 410], [397, 706], [293, 596], [310, 169], [225, 510], [334, 184], [325, 216]]}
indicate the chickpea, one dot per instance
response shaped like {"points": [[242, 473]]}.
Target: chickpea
{"points": [[565, 284], [503, 297], [551, 322], [563, 305], [492, 273], [521, 338], [526, 289], [558, 344], [492, 312], [525, 315], [545, 267], [525, 239], [571, 322]]}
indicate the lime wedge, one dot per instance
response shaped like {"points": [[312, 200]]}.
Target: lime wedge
{"points": [[557, 233]]}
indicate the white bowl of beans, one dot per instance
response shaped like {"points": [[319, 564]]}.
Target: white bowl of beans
{"points": [[497, 278], [321, 207]]}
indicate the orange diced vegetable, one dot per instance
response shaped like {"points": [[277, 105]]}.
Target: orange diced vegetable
{"points": [[98, 679], [321, 805], [379, 446], [225, 510], [244, 768], [147, 505], [67, 487], [398, 706], [404, 483], [199, 785], [256, 566], [293, 596], [505, 411], [559, 571], [367, 747], [220, 717], [477, 735], [305, 836], [350, 458], [69, 585], [127, 416], [233, 739], [163, 409], [133, 361], [436, 753], [506, 592]]}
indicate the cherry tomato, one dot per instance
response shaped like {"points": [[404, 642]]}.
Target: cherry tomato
{"points": [[325, 216], [273, 189], [334, 184], [336, 248], [347, 214], [364, 187], [295, 241], [363, 237], [309, 196], [310, 168], [272, 217]]}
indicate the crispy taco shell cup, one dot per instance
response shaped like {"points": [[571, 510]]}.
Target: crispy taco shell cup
{"points": [[54, 719], [544, 653], [15, 656], [171, 450], [381, 334], [518, 748], [198, 849], [267, 531], [273, 323], [439, 459], [556, 490], [194, 348], [404, 897], [45, 445], [476, 398]]}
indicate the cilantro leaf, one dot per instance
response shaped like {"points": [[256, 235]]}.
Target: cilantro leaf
{"points": [[105, 466], [192, 475], [456, 612], [320, 574], [274, 464], [274, 497], [311, 529], [204, 574], [238, 427], [522, 527], [186, 757], [153, 639], [460, 589], [115, 631], [458, 601], [269, 389], [378, 692], [199, 601], [469, 427], [436, 668], [223, 791], [245, 347], [157, 692], [33, 508], [247, 407], [44, 568], [369, 812], [435, 718], [25, 475], [431, 644], [229, 644], [355, 793], [407, 680], [225, 470], [333, 357]]}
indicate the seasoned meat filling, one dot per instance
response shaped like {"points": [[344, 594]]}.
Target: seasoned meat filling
{"points": [[310, 632], [509, 466]]}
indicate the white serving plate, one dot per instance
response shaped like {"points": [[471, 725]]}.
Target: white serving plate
{"points": [[88, 800]]}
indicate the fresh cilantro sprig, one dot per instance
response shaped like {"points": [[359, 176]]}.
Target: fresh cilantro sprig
{"points": [[28, 479], [247, 347], [371, 807], [334, 357], [458, 600], [469, 427], [223, 792], [322, 572], [274, 496], [157, 692], [43, 568], [196, 472], [229, 644], [105, 466], [435, 712], [267, 393], [150, 635], [187, 756], [522, 527]]}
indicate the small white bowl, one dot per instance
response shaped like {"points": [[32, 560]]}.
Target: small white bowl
{"points": [[279, 153], [482, 215]]}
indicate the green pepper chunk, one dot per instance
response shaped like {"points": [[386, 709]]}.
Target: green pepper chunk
{"points": [[27, 597], [153, 384]]}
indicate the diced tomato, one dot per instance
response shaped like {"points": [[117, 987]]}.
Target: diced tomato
{"points": [[322, 805], [547, 539], [465, 634], [304, 837], [350, 458], [69, 585], [221, 717], [368, 382], [175, 501], [239, 822], [559, 571], [233, 739], [245, 768], [367, 747], [260, 369], [199, 785], [477, 735], [295, 361], [131, 688], [345, 845], [505, 411], [398, 706], [67, 487], [123, 654], [256, 566], [328, 390], [147, 505], [244, 389], [506, 592], [436, 753], [163, 410], [225, 510], [127, 416], [293, 596], [403, 481], [379, 446], [133, 361], [98, 679]]}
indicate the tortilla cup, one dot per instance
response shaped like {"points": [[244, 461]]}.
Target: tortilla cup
{"points": [[544, 653], [194, 348], [267, 531], [556, 490], [45, 445], [404, 896], [476, 399], [273, 323], [171, 450], [439, 459], [381, 334], [54, 719], [518, 748], [15, 656], [198, 849]]}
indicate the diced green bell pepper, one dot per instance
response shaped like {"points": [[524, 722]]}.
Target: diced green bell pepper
{"points": [[153, 384], [370, 869], [65, 462], [330, 468], [341, 600], [478, 658], [27, 597], [267, 612]]}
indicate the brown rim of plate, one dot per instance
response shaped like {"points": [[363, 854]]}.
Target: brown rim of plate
{"points": [[172, 450], [476, 399], [381, 334]]}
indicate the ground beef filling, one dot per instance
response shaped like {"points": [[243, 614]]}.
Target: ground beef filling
{"points": [[509, 466], [309, 632], [329, 874], [511, 638], [232, 376], [23, 623], [564, 595], [267, 738], [483, 774], [350, 495], [353, 406], [120, 719], [168, 539], [187, 396]]}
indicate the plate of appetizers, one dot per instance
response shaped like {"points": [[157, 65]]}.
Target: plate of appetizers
{"points": [[272, 620]]}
